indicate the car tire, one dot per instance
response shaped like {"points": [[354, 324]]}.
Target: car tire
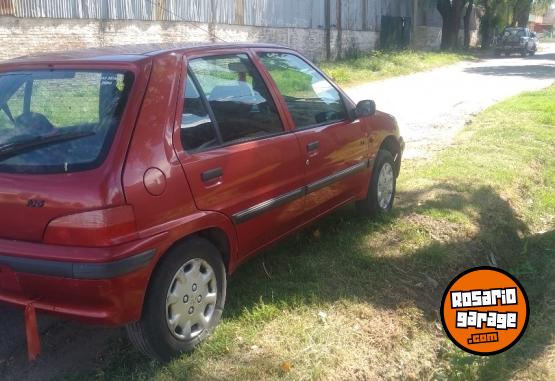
{"points": [[382, 186], [523, 53], [192, 274]]}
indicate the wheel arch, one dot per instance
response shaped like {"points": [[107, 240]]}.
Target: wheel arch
{"points": [[212, 226], [392, 144]]}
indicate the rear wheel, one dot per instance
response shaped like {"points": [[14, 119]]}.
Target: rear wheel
{"points": [[184, 301], [524, 52], [381, 190]]}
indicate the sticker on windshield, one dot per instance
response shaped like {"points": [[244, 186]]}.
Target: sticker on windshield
{"points": [[485, 311]]}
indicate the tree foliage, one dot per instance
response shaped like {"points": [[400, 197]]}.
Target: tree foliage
{"points": [[496, 14]]}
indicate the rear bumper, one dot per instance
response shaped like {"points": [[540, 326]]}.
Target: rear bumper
{"points": [[107, 289], [510, 48], [77, 270]]}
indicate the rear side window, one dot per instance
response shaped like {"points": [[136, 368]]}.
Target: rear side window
{"points": [[310, 98], [238, 98], [55, 121], [197, 130]]}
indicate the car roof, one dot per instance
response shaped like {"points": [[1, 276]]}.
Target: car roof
{"points": [[133, 53]]}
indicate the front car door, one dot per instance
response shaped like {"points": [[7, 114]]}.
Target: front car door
{"points": [[334, 146], [238, 156]]}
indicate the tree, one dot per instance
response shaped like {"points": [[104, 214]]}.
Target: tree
{"points": [[451, 13], [488, 21], [522, 8], [496, 15]]}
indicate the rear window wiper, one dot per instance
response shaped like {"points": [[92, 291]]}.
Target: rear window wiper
{"points": [[17, 148]]}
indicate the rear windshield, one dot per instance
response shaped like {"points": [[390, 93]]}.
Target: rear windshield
{"points": [[54, 121], [518, 32]]}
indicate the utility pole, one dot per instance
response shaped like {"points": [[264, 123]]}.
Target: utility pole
{"points": [[327, 34], [339, 40], [240, 12], [364, 15], [212, 23], [413, 23]]}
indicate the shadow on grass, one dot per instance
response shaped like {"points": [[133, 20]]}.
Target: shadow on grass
{"points": [[337, 263]]}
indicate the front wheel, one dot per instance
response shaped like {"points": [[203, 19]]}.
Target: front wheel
{"points": [[381, 190], [184, 301]]}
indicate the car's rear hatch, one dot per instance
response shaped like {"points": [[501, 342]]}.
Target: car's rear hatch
{"points": [[28, 203], [511, 37]]}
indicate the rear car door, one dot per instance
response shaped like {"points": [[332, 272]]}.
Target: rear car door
{"points": [[334, 146], [238, 156]]}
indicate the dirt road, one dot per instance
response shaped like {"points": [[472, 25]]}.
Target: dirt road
{"points": [[430, 107]]}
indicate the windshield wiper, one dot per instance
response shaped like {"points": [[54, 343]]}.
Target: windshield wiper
{"points": [[17, 148]]}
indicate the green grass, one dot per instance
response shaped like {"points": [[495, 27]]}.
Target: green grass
{"points": [[352, 298], [380, 65]]}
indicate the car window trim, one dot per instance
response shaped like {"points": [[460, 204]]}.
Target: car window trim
{"points": [[339, 91], [327, 123], [222, 144], [27, 93]]}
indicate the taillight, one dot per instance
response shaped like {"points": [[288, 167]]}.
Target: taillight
{"points": [[103, 227]]}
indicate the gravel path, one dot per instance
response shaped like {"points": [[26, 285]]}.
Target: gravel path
{"points": [[431, 108]]}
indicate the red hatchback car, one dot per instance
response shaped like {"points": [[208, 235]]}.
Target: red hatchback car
{"points": [[134, 180]]}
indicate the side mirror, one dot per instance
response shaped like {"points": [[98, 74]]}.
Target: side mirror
{"points": [[365, 108]]}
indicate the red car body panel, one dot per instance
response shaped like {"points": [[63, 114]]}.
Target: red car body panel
{"points": [[147, 168]]}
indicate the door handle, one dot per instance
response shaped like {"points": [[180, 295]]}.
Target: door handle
{"points": [[312, 146], [211, 174]]}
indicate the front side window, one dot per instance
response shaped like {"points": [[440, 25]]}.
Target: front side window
{"points": [[240, 102], [54, 121], [310, 98]]}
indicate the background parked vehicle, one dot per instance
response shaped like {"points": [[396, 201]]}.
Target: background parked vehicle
{"points": [[517, 40], [135, 182]]}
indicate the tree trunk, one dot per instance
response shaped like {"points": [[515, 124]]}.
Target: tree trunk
{"points": [[467, 16], [523, 13], [486, 36], [486, 24], [451, 12]]}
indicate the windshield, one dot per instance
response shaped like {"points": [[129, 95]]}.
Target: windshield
{"points": [[55, 121]]}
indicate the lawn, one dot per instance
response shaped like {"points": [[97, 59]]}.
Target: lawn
{"points": [[380, 65], [351, 298]]}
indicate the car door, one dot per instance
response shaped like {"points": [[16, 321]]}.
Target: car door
{"points": [[238, 156], [334, 147]]}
